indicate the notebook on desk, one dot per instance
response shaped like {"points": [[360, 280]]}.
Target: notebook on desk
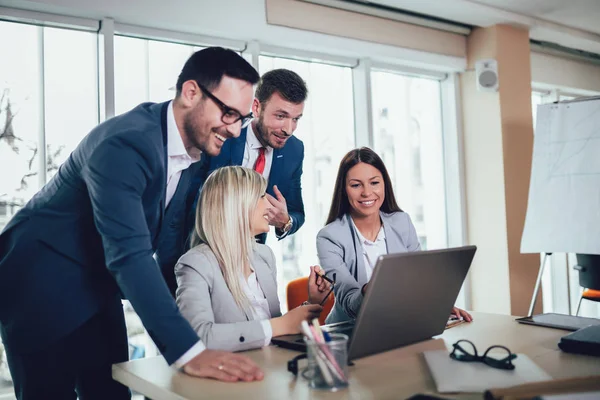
{"points": [[584, 341], [559, 321], [409, 299], [453, 376]]}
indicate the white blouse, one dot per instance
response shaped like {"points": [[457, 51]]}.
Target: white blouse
{"points": [[259, 303]]}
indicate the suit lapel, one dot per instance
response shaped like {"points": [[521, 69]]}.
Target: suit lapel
{"points": [[237, 148], [181, 190], [392, 241], [163, 192], [359, 262], [267, 284], [276, 167]]}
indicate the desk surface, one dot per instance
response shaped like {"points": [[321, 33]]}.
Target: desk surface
{"points": [[394, 374]]}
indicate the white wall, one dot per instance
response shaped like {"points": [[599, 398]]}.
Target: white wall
{"points": [[554, 72]]}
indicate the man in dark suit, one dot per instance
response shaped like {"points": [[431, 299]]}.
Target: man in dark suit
{"points": [[88, 237], [267, 146]]}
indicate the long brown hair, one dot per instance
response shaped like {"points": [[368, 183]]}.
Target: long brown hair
{"points": [[339, 203]]}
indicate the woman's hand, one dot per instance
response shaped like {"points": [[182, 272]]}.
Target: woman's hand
{"points": [[290, 322], [458, 313], [318, 288], [364, 289]]}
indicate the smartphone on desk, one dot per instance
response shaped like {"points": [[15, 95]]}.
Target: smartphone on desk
{"points": [[454, 321]]}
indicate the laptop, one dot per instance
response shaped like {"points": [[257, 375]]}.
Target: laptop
{"points": [[409, 299]]}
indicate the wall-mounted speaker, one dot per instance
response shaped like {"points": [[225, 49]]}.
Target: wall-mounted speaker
{"points": [[486, 72]]}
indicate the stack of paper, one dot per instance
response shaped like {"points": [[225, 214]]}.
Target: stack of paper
{"points": [[452, 376]]}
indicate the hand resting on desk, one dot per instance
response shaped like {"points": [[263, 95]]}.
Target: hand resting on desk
{"points": [[459, 313], [223, 366]]}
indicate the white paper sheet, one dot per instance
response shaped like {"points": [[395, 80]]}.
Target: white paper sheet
{"points": [[563, 210], [452, 376]]}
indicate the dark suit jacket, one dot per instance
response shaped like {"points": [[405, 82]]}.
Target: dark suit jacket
{"points": [[90, 235], [178, 225], [286, 172]]}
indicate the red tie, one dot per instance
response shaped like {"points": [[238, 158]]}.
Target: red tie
{"points": [[259, 166]]}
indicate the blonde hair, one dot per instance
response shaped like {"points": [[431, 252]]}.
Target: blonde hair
{"points": [[223, 221]]}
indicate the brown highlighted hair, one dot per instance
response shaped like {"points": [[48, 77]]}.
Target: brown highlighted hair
{"points": [[340, 205]]}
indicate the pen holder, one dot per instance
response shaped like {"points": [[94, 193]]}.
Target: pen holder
{"points": [[327, 363]]}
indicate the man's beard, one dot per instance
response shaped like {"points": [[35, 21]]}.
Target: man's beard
{"points": [[263, 134], [191, 129]]}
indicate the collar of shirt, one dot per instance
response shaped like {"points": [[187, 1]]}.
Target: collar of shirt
{"points": [[379, 238], [253, 142], [175, 146]]}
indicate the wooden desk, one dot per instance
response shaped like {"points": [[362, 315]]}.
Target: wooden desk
{"points": [[396, 374]]}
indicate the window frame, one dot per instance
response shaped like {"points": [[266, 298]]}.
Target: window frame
{"points": [[361, 68]]}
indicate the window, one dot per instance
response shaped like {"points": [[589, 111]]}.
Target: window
{"points": [[36, 85], [20, 113], [327, 130], [407, 128], [146, 70], [48, 90], [70, 92]]}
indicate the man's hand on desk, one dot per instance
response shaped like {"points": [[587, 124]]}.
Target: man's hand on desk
{"points": [[223, 366]]}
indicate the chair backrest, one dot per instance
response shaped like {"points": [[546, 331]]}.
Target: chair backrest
{"points": [[588, 266], [297, 293]]}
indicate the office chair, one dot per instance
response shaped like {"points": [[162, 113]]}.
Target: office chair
{"points": [[297, 293], [588, 266]]}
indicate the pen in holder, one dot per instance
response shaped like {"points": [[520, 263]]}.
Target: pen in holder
{"points": [[327, 360]]}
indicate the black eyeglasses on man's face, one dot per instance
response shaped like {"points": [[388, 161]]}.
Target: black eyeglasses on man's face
{"points": [[467, 352], [229, 115]]}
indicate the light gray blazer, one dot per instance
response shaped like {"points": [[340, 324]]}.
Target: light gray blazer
{"points": [[206, 302], [340, 251]]}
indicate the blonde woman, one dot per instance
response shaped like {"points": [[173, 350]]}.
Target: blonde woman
{"points": [[227, 287]]}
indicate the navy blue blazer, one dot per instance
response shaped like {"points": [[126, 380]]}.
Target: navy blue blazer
{"points": [[89, 236], [286, 172]]}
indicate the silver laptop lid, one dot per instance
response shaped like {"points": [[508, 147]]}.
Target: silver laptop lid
{"points": [[409, 299]]}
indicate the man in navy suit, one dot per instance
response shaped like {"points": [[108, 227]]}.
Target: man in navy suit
{"points": [[88, 238], [268, 146]]}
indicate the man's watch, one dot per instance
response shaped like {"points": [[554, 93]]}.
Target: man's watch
{"points": [[288, 225]]}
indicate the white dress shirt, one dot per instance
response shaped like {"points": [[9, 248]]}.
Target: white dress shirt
{"points": [[178, 157], [251, 153], [371, 249], [259, 304], [178, 160]]}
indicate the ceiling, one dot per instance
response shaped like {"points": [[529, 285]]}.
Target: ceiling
{"points": [[580, 14], [571, 23]]}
